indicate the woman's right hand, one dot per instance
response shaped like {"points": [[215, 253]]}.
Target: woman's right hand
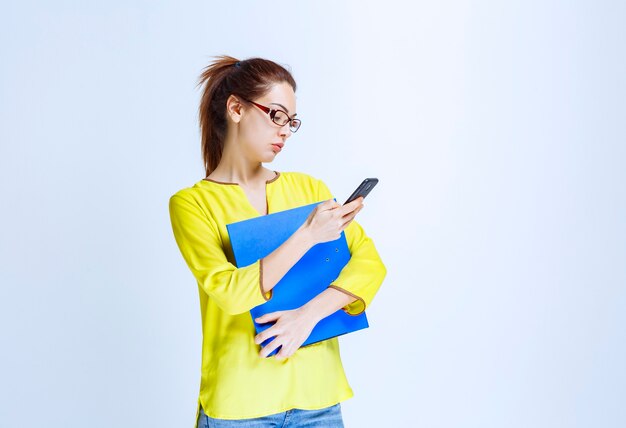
{"points": [[329, 219]]}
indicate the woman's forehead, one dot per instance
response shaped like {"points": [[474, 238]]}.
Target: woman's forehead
{"points": [[283, 96]]}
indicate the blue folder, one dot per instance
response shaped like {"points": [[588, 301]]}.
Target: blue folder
{"points": [[257, 237]]}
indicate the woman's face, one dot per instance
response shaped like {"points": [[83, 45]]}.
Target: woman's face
{"points": [[257, 132]]}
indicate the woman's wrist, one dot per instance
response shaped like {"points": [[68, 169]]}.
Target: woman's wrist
{"points": [[310, 312], [324, 304], [305, 234]]}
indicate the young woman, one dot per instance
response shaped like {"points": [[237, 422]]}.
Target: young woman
{"points": [[247, 113]]}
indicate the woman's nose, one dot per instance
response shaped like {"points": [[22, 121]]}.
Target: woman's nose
{"points": [[285, 131]]}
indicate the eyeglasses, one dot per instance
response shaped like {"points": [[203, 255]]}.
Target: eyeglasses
{"points": [[279, 117]]}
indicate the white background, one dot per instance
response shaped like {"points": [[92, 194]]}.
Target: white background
{"points": [[496, 129]]}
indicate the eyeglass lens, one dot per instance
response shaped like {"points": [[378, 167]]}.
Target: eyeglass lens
{"points": [[280, 118]]}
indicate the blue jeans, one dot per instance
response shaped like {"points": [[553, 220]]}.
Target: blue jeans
{"points": [[329, 417]]}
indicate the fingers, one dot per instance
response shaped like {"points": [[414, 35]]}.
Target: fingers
{"points": [[342, 210], [265, 334], [272, 316], [269, 348], [329, 204], [352, 208], [329, 217], [269, 332], [348, 218], [285, 352], [286, 349], [349, 207]]}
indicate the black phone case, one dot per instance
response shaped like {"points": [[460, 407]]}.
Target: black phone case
{"points": [[363, 190]]}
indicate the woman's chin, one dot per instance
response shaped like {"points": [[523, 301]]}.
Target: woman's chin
{"points": [[270, 157]]}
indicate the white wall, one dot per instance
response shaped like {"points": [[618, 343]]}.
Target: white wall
{"points": [[496, 130]]}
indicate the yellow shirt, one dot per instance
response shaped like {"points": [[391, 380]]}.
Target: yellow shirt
{"points": [[236, 383]]}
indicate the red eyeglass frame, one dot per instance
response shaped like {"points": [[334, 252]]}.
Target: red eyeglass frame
{"points": [[272, 112]]}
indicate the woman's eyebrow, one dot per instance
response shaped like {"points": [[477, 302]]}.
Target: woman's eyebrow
{"points": [[286, 109]]}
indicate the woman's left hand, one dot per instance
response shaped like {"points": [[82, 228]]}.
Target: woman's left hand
{"points": [[291, 329]]}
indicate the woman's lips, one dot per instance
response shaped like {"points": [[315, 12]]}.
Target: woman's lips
{"points": [[276, 148]]}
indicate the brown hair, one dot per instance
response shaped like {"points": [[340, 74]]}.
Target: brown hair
{"points": [[251, 78]]}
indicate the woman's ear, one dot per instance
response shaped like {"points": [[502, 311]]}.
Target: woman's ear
{"points": [[234, 108]]}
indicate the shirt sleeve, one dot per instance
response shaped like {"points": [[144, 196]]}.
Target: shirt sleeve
{"points": [[363, 275], [235, 290]]}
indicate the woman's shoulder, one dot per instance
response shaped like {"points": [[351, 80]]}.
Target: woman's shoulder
{"points": [[196, 193], [183, 199], [301, 178], [307, 184]]}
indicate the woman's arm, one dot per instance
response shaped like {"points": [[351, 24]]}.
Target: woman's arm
{"points": [[326, 303], [276, 264], [324, 222], [364, 273], [293, 327], [235, 289]]}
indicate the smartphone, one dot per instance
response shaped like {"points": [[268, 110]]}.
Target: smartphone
{"points": [[364, 188]]}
